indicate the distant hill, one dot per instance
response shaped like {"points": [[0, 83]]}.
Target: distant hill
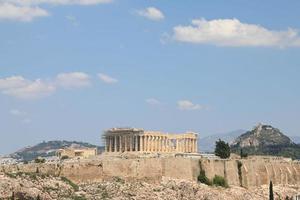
{"points": [[207, 144], [295, 139], [266, 140], [47, 149]]}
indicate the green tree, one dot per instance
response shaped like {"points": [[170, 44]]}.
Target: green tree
{"points": [[222, 149], [243, 154], [271, 195]]}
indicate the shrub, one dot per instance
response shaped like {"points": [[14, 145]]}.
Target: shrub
{"points": [[78, 198], [64, 157], [118, 180], [220, 181], [40, 160], [203, 179], [73, 185], [222, 149]]}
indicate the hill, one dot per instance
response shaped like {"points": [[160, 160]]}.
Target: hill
{"points": [[266, 140], [207, 144], [295, 139], [47, 149]]}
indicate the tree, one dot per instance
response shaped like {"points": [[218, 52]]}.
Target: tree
{"points": [[242, 154], [222, 149], [271, 195]]}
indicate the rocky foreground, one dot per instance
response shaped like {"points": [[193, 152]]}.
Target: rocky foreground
{"points": [[36, 186]]}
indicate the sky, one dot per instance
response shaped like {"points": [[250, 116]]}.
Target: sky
{"points": [[70, 69]]}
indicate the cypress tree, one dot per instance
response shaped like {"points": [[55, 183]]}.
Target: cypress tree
{"points": [[271, 195]]}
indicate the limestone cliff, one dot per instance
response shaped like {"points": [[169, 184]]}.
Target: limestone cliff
{"points": [[34, 186]]}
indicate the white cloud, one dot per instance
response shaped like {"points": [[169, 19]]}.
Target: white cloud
{"points": [[188, 105], [32, 90], [153, 101], [27, 10], [58, 2], [17, 112], [21, 88], [151, 13], [232, 32], [20, 13], [13, 82], [107, 79], [73, 80]]}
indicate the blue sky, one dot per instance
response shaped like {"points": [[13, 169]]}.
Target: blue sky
{"points": [[70, 70]]}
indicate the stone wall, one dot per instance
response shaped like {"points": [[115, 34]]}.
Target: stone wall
{"points": [[252, 172]]}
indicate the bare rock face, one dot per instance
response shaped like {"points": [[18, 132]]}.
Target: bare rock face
{"points": [[262, 135], [35, 186]]}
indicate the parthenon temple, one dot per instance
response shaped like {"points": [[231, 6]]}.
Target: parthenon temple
{"points": [[118, 140]]}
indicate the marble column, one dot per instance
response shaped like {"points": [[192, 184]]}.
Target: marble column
{"points": [[125, 143], [115, 143], [152, 143], [136, 143], [106, 144], [110, 144], [161, 144], [147, 143], [157, 144], [141, 143], [130, 143], [120, 145]]}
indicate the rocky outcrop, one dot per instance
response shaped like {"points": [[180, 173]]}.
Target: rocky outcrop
{"points": [[254, 171], [262, 135], [32, 186], [266, 140]]}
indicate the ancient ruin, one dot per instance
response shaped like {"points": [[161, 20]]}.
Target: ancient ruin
{"points": [[118, 140], [76, 152]]}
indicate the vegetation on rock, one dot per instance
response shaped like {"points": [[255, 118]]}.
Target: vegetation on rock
{"points": [[220, 181], [203, 179]]}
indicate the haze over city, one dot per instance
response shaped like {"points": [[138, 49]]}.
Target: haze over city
{"points": [[71, 69]]}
